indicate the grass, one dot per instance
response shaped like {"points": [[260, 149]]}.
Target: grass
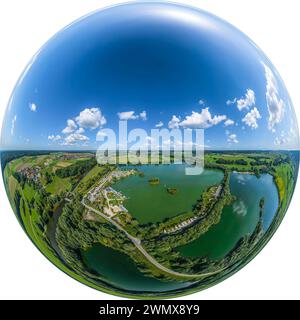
{"points": [[28, 192], [284, 181], [63, 164], [83, 185], [58, 185]]}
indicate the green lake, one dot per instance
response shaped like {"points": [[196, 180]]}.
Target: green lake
{"points": [[151, 203], [119, 270], [239, 218]]}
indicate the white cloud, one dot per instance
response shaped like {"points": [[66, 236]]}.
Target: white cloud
{"points": [[288, 139], [247, 101], [80, 130], [201, 102], [232, 138], [90, 118], [75, 138], [13, 124], [71, 126], [130, 115], [32, 107], [174, 122], [230, 102], [201, 120], [127, 115], [159, 124], [279, 141], [174, 143], [274, 103], [143, 115], [54, 138], [229, 122], [251, 118], [100, 134]]}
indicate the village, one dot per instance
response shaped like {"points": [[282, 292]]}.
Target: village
{"points": [[31, 173]]}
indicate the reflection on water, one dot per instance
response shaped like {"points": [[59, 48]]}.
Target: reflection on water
{"points": [[119, 269], [238, 219]]}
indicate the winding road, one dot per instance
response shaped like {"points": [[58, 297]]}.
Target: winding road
{"points": [[137, 243]]}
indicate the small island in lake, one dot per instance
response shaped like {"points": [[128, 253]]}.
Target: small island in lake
{"points": [[172, 191], [261, 206], [154, 181], [141, 174], [262, 203]]}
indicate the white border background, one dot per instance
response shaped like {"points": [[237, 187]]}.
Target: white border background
{"points": [[26, 25]]}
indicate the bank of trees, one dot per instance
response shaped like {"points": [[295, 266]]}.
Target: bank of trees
{"points": [[75, 234], [241, 162], [78, 168], [48, 177]]}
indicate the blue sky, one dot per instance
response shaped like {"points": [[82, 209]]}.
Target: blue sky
{"points": [[156, 65]]}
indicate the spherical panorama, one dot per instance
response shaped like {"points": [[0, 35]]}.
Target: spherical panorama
{"points": [[150, 150]]}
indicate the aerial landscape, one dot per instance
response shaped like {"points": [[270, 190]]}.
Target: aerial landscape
{"points": [[77, 213], [149, 150]]}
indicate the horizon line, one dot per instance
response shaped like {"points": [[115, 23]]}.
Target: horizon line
{"points": [[95, 150]]}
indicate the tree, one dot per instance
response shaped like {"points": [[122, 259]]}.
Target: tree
{"points": [[48, 177]]}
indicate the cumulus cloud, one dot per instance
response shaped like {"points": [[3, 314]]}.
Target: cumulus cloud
{"points": [[53, 137], [251, 118], [202, 120], [127, 115], [87, 119], [232, 138], [143, 115], [229, 122], [247, 101], [159, 124], [280, 141], [13, 124], [71, 126], [100, 134], [274, 103], [201, 102], [149, 138], [90, 118], [174, 122], [80, 130], [131, 115], [287, 139], [75, 138], [230, 102], [32, 107]]}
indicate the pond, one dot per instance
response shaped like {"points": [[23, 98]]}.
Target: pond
{"points": [[152, 203], [239, 218], [118, 269]]}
